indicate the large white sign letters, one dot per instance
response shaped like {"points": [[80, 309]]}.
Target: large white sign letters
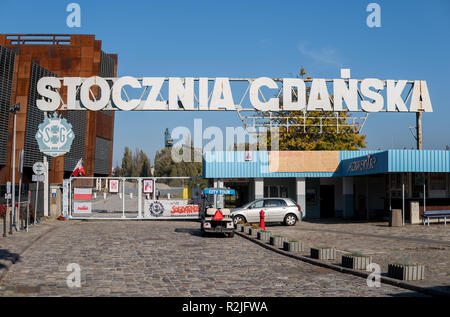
{"points": [[188, 93]]}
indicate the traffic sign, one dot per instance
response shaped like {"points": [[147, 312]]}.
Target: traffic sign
{"points": [[38, 178], [39, 168]]}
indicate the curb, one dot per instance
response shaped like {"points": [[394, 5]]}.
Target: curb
{"points": [[383, 279], [12, 261]]}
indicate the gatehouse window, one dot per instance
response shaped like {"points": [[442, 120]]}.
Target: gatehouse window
{"points": [[438, 181]]}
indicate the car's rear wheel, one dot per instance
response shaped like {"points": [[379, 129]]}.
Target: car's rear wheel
{"points": [[290, 220], [237, 219]]}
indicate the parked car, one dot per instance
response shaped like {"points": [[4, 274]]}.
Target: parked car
{"points": [[276, 210]]}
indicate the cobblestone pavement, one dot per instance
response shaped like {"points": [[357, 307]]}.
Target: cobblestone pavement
{"points": [[169, 259], [415, 243], [13, 245]]}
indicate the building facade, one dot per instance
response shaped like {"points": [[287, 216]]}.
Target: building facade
{"points": [[24, 59], [341, 184]]}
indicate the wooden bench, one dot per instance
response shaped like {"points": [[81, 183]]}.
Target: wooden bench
{"points": [[436, 214]]}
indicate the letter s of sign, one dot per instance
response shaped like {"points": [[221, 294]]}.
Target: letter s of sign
{"points": [[73, 279], [46, 87], [373, 280], [74, 18]]}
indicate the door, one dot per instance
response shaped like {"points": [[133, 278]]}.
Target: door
{"points": [[252, 213], [326, 201], [274, 209]]}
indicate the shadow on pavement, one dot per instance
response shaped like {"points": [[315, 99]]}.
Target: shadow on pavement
{"points": [[5, 255], [197, 233], [334, 221]]}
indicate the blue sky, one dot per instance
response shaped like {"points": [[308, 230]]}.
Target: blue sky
{"points": [[260, 38]]}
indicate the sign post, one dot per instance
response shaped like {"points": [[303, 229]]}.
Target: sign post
{"points": [[14, 109], [8, 197], [40, 172], [54, 137], [65, 200], [19, 219], [35, 204], [28, 209]]}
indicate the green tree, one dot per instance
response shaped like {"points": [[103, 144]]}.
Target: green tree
{"points": [[135, 164], [144, 164], [127, 162], [117, 171], [165, 166]]}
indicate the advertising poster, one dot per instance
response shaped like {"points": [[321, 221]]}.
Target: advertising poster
{"points": [[165, 209], [82, 207], [82, 193], [148, 186], [113, 185]]}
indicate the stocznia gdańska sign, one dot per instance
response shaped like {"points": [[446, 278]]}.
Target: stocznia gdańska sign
{"points": [[200, 97]]}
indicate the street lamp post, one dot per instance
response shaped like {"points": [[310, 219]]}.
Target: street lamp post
{"points": [[13, 109]]}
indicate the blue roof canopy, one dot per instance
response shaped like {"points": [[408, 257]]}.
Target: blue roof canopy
{"points": [[232, 164]]}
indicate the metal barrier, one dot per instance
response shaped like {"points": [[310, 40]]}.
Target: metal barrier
{"points": [[130, 198]]}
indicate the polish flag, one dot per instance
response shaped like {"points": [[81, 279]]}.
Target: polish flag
{"points": [[79, 170]]}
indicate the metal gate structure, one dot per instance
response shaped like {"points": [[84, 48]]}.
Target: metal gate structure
{"points": [[130, 198]]}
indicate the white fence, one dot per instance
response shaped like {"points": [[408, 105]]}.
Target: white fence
{"points": [[130, 198]]}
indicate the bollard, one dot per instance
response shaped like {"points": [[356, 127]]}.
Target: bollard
{"points": [[261, 220], [395, 218]]}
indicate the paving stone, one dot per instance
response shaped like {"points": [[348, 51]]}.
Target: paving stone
{"points": [[429, 246], [116, 259]]}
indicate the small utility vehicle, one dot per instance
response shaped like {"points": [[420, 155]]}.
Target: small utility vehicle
{"points": [[213, 219]]}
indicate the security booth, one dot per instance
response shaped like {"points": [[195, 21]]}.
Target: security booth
{"points": [[363, 185]]}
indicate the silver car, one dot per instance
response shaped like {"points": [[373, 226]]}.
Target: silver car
{"points": [[276, 210]]}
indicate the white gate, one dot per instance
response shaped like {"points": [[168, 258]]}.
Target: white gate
{"points": [[131, 198]]}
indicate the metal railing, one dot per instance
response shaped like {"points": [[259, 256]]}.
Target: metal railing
{"points": [[122, 198]]}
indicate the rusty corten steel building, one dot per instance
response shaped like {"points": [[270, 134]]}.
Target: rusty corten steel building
{"points": [[24, 59]]}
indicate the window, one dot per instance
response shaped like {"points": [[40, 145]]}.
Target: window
{"points": [[397, 180], [274, 203], [437, 181], [258, 204]]}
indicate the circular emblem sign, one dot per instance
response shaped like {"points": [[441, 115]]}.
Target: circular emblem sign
{"points": [[55, 136], [156, 209], [38, 168]]}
